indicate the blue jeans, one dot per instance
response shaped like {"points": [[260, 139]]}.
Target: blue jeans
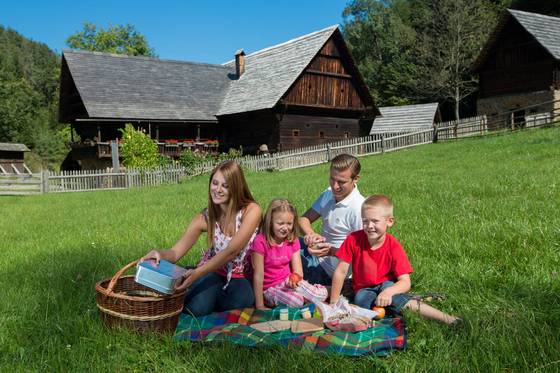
{"points": [[312, 270], [365, 297], [206, 295]]}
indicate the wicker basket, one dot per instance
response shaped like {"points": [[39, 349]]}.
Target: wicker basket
{"points": [[124, 302]]}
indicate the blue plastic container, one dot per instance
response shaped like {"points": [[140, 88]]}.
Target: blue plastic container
{"points": [[162, 277]]}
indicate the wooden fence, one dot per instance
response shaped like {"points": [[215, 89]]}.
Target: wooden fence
{"points": [[21, 184], [78, 181]]}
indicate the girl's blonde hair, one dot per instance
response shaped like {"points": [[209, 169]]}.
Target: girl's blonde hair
{"points": [[279, 205], [239, 197]]}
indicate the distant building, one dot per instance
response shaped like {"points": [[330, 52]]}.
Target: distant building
{"points": [[406, 118], [11, 158], [520, 66], [305, 91]]}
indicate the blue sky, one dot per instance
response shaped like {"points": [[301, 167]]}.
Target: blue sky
{"points": [[202, 31]]}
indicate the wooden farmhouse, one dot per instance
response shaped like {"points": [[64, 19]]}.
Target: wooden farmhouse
{"points": [[12, 158], [519, 67], [406, 118], [305, 91]]}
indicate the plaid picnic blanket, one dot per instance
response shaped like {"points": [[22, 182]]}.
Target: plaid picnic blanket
{"points": [[233, 326]]}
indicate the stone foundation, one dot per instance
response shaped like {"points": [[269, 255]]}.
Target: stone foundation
{"points": [[491, 106]]}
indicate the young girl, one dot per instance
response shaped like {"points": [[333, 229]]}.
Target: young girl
{"points": [[275, 255], [221, 279]]}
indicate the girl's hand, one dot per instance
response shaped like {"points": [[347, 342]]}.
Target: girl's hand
{"points": [[152, 255], [262, 307], [293, 280], [384, 299], [187, 280]]}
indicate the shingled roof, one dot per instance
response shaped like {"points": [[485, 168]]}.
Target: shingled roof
{"points": [[270, 72], [545, 30], [405, 118], [13, 147], [126, 87]]}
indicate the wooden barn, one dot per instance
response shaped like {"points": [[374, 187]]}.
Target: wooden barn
{"points": [[305, 91], [12, 158], [520, 66], [406, 118]]}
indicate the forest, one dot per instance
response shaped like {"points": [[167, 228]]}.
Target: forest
{"points": [[409, 51]]}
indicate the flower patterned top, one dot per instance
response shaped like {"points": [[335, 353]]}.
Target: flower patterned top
{"points": [[240, 266]]}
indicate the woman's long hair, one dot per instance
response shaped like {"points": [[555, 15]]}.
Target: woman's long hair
{"points": [[239, 197]]}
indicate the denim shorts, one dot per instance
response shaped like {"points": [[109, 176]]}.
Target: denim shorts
{"points": [[365, 297]]}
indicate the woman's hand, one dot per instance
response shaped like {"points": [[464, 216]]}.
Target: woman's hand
{"points": [[262, 307], [188, 278], [152, 255]]}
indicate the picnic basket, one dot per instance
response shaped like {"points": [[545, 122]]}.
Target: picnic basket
{"points": [[122, 302]]}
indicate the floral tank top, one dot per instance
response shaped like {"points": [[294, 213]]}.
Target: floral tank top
{"points": [[240, 266]]}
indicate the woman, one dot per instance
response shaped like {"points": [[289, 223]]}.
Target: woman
{"points": [[221, 280]]}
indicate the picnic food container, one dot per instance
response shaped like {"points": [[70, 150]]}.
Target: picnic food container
{"points": [[284, 314], [162, 277], [123, 302]]}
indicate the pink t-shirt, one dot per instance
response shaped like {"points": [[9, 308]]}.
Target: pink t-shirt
{"points": [[276, 259]]}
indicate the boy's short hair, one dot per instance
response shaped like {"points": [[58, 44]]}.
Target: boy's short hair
{"points": [[343, 162], [379, 200]]}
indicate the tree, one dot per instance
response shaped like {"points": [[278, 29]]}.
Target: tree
{"points": [[448, 45], [116, 39], [382, 41]]}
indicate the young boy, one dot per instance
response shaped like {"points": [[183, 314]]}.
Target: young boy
{"points": [[380, 267]]}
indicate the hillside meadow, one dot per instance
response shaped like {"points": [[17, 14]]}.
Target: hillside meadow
{"points": [[479, 219]]}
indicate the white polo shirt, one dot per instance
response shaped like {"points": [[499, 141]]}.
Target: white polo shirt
{"points": [[339, 220]]}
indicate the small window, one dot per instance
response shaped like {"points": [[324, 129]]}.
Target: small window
{"points": [[346, 135], [336, 126], [321, 134], [295, 133], [307, 125]]}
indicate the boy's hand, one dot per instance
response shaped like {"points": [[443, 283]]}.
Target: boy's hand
{"points": [[384, 299]]}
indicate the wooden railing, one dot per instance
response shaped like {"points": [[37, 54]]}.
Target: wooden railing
{"points": [[172, 148]]}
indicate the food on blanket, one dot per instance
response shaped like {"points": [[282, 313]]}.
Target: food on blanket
{"points": [[295, 278], [284, 314], [272, 326], [305, 313], [380, 312], [307, 326]]}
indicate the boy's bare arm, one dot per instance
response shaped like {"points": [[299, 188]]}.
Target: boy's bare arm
{"points": [[338, 280], [402, 285]]}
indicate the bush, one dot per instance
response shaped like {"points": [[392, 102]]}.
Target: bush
{"points": [[138, 149], [190, 160]]}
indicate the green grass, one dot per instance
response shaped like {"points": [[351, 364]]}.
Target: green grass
{"points": [[479, 219]]}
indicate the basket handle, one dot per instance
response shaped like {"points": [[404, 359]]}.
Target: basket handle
{"points": [[118, 275]]}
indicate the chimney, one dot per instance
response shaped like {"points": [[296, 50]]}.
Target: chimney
{"points": [[239, 63]]}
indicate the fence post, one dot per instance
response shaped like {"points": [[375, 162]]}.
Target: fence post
{"points": [[512, 121], [44, 181], [434, 138], [328, 152], [382, 143]]}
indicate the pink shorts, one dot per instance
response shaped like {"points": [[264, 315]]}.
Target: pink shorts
{"points": [[283, 294]]}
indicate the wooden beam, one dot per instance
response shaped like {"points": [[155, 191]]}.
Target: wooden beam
{"points": [[326, 73]]}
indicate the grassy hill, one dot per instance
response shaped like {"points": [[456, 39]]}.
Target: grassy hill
{"points": [[479, 219]]}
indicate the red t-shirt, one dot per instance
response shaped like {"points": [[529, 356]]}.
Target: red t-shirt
{"points": [[372, 267]]}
